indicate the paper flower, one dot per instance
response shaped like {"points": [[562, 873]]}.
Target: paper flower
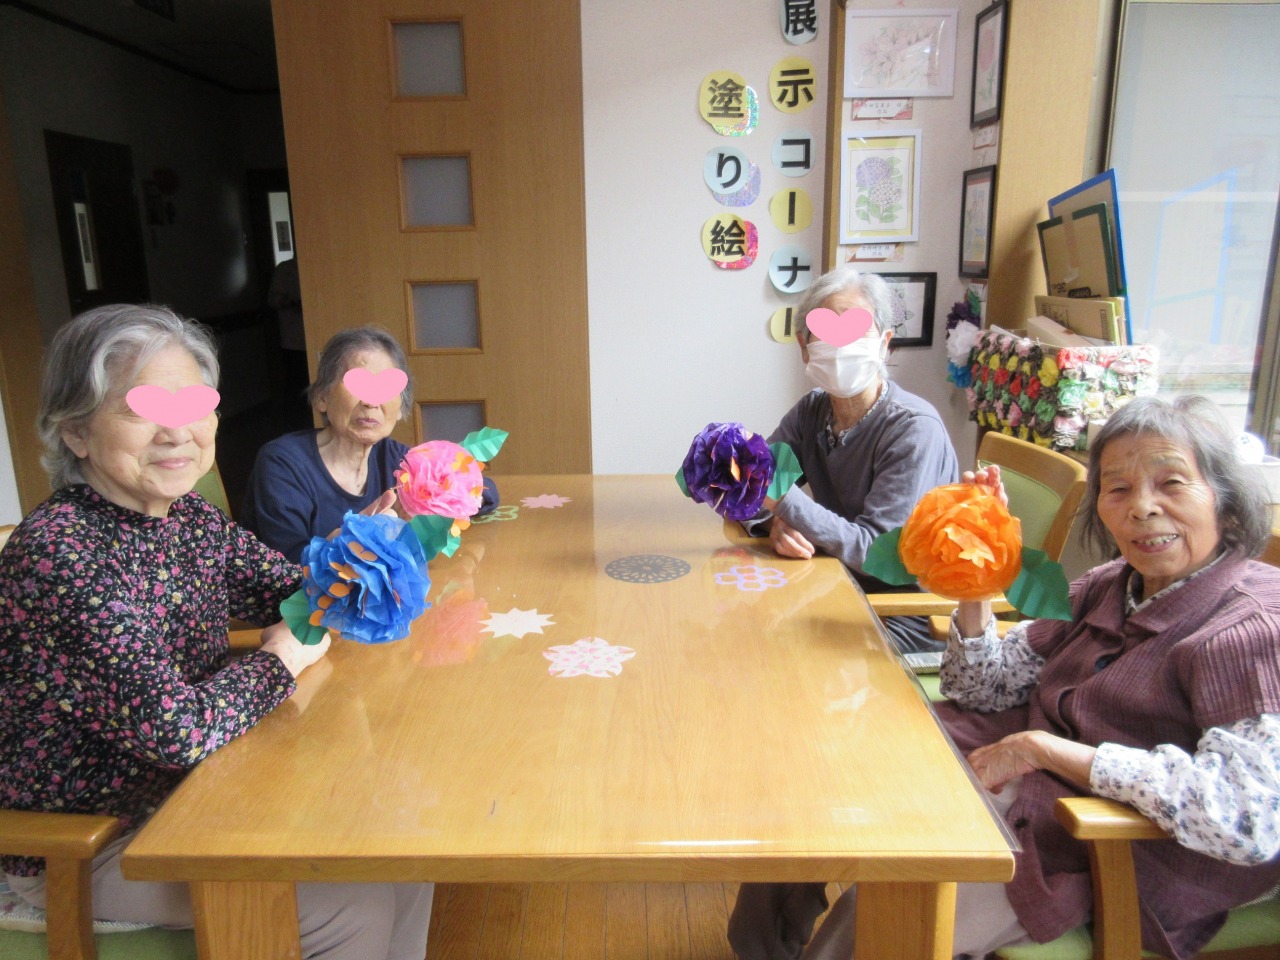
{"points": [[961, 543], [591, 657], [729, 468], [369, 582], [442, 478]]}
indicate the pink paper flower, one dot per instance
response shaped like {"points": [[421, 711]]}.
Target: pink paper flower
{"points": [[441, 478]]}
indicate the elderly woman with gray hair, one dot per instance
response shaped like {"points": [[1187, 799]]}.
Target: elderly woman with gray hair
{"points": [[115, 672], [305, 482], [1162, 691], [867, 447]]}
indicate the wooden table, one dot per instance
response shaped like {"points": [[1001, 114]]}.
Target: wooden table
{"points": [[754, 735]]}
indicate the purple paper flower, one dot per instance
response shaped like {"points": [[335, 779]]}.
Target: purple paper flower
{"points": [[730, 468], [370, 581]]}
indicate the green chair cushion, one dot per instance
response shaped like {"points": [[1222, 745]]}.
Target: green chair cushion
{"points": [[1253, 926], [1030, 501]]}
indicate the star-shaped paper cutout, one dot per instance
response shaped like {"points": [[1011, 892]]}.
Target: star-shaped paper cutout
{"points": [[590, 657], [516, 623], [547, 500]]}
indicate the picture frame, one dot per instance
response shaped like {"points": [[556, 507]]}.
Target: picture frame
{"points": [[914, 295], [987, 94], [977, 204], [880, 187], [899, 52]]}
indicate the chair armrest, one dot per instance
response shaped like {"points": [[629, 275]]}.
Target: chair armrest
{"points": [[245, 641], [68, 842], [914, 604], [76, 836], [1108, 827]]}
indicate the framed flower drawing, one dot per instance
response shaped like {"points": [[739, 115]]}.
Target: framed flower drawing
{"points": [[880, 187], [977, 203], [988, 64], [913, 295], [899, 52]]}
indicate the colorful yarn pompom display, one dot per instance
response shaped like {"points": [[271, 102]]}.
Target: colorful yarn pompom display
{"points": [[961, 543]]}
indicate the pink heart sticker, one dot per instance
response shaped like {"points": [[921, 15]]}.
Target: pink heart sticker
{"points": [[839, 330], [375, 389], [172, 408]]}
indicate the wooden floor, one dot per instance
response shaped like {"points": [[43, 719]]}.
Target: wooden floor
{"points": [[582, 921]]}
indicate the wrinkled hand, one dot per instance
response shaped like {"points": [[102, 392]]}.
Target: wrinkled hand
{"points": [[1020, 753], [384, 504], [279, 639], [987, 477], [787, 541]]}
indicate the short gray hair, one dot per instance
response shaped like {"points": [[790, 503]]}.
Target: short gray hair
{"points": [[335, 361], [95, 354], [847, 279], [1244, 517]]}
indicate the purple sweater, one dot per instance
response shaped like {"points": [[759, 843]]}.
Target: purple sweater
{"points": [[115, 676], [1207, 654]]}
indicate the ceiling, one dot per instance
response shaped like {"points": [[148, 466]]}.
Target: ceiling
{"points": [[228, 42]]}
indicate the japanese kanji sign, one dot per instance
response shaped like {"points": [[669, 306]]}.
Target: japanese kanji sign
{"points": [[728, 104], [730, 241], [792, 84]]}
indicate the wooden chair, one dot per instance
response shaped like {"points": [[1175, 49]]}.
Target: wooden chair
{"points": [[5, 531], [1252, 932], [1045, 489], [69, 842]]}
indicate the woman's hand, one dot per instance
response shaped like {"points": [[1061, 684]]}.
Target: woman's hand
{"points": [[279, 639], [787, 541], [998, 763], [384, 504], [972, 615]]}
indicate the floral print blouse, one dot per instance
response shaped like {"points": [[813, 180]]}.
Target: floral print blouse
{"points": [[115, 673]]}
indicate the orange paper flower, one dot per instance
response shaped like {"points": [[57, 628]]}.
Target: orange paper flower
{"points": [[961, 543]]}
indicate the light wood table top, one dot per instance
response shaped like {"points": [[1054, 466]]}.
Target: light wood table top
{"points": [[762, 734]]}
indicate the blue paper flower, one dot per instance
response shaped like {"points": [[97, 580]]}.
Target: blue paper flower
{"points": [[369, 582]]}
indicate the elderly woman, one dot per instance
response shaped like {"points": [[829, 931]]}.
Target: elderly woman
{"points": [[115, 674], [868, 448], [305, 482], [1162, 692]]}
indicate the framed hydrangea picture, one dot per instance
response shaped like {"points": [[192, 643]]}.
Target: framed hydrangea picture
{"points": [[913, 295], [880, 187]]}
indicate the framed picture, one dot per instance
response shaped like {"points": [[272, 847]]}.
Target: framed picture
{"points": [[977, 201], [988, 64], [899, 52], [880, 187], [912, 308]]}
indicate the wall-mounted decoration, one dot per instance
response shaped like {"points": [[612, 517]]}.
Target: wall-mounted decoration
{"points": [[791, 210], [913, 295], [793, 153], [899, 53], [900, 108], [728, 104], [977, 202], [988, 64], [880, 187], [732, 179], [791, 270], [799, 19], [731, 242], [792, 84], [782, 325]]}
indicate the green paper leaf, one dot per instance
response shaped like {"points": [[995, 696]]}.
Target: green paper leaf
{"points": [[295, 611], [433, 533], [1041, 590], [883, 562], [786, 470], [680, 482], [484, 444]]}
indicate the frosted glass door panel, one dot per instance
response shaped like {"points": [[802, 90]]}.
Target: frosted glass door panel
{"points": [[437, 191], [428, 59]]}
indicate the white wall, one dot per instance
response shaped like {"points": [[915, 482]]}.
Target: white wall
{"points": [[10, 508], [55, 78], [676, 342]]}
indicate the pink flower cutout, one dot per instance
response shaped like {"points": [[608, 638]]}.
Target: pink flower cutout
{"points": [[752, 578], [441, 478], [550, 501], [591, 657]]}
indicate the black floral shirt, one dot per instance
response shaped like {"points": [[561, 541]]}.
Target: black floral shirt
{"points": [[115, 674]]}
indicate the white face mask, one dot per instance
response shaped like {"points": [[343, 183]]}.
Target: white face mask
{"points": [[846, 371]]}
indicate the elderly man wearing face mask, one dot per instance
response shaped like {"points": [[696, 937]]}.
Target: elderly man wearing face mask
{"points": [[867, 447]]}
